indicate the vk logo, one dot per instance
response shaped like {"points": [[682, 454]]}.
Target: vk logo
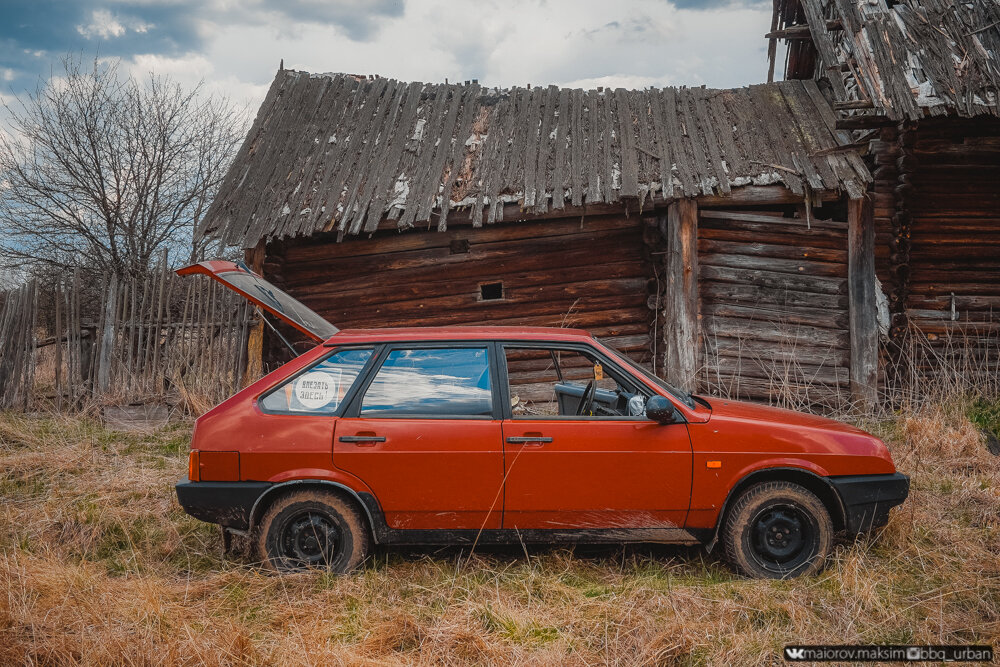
{"points": [[794, 653]]}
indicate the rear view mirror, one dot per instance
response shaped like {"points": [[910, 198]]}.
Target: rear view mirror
{"points": [[660, 409]]}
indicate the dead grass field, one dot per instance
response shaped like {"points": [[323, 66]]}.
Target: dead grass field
{"points": [[99, 566]]}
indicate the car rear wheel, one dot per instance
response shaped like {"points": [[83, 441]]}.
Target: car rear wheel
{"points": [[313, 529], [777, 530]]}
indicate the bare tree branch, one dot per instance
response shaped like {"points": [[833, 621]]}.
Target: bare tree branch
{"points": [[102, 170]]}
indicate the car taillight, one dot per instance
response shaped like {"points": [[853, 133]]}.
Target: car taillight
{"points": [[194, 471]]}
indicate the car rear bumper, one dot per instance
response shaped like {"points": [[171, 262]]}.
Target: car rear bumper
{"points": [[867, 499], [225, 503]]}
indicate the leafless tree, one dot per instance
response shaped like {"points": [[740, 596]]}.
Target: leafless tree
{"points": [[103, 171]]}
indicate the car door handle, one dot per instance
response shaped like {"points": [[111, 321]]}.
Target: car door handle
{"points": [[533, 439], [362, 438]]}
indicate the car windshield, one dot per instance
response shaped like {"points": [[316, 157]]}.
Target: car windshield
{"points": [[679, 394]]}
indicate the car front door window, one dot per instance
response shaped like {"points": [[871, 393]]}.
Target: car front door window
{"points": [[553, 382]]}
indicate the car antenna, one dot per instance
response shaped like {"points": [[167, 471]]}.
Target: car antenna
{"points": [[263, 317]]}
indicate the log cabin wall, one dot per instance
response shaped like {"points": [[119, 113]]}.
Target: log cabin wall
{"points": [[953, 291], [593, 273], [774, 307], [772, 298]]}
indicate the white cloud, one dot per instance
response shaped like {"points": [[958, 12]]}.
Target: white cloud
{"points": [[193, 70], [105, 25], [578, 43], [582, 43], [620, 80]]}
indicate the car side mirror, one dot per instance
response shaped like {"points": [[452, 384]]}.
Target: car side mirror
{"points": [[660, 409]]}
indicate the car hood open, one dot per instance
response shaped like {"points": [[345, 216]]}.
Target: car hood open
{"points": [[240, 279]]}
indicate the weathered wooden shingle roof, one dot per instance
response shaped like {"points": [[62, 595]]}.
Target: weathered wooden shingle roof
{"points": [[343, 153], [908, 57]]}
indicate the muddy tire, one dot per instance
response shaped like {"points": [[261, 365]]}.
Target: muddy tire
{"points": [[313, 529], [777, 530]]}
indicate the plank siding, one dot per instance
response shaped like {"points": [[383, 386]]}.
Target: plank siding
{"points": [[773, 307]]}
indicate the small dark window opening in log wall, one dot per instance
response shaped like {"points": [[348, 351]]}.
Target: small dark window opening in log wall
{"points": [[491, 291], [459, 247]]}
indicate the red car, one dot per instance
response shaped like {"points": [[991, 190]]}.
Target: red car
{"points": [[476, 435]]}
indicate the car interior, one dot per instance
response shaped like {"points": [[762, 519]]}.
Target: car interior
{"points": [[568, 383]]}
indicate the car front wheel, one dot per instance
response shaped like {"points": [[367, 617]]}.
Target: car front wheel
{"points": [[777, 530], [313, 529]]}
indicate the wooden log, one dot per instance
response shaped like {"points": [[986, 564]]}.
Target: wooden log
{"points": [[816, 317], [775, 280], [791, 372], [681, 298], [428, 283], [778, 332], [632, 305], [819, 396], [758, 249], [787, 266], [711, 291], [798, 224], [863, 309], [779, 353]]}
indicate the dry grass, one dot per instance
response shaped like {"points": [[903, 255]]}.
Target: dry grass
{"points": [[101, 567]]}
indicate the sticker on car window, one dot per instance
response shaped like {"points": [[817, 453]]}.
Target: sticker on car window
{"points": [[317, 389]]}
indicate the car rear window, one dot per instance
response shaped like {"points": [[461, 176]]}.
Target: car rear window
{"points": [[320, 389], [440, 382]]}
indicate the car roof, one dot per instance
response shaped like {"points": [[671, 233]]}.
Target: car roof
{"points": [[459, 333]]}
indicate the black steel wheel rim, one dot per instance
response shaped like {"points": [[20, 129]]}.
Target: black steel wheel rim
{"points": [[310, 539], [783, 537]]}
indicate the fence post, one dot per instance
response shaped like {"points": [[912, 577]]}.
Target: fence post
{"points": [[107, 337], [57, 297], [159, 313]]}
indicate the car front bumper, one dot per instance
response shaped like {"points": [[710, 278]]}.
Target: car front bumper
{"points": [[867, 499], [225, 503]]}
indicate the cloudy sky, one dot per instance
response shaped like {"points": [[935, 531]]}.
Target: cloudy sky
{"points": [[234, 46]]}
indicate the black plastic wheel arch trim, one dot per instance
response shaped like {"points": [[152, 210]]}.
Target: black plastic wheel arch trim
{"points": [[864, 500], [711, 535], [237, 506], [867, 499]]}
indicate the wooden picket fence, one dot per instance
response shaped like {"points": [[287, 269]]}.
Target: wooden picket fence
{"points": [[76, 343]]}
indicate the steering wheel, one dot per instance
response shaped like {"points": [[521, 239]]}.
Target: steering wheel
{"points": [[587, 400]]}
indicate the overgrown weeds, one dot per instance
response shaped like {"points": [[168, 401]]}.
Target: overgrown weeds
{"points": [[102, 567]]}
